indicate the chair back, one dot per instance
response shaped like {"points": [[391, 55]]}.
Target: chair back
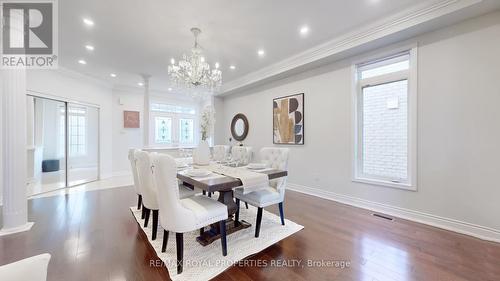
{"points": [[173, 215], [146, 180], [242, 154], [276, 158], [131, 158], [220, 152]]}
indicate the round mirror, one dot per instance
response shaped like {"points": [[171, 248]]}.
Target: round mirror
{"points": [[239, 127]]}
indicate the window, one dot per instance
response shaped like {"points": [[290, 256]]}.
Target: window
{"points": [[77, 131], [385, 114], [174, 125]]}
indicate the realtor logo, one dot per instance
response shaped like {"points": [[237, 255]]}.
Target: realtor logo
{"points": [[29, 34]]}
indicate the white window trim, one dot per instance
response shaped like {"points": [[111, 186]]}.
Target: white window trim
{"points": [[412, 74]]}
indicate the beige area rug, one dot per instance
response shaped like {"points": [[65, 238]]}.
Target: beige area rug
{"points": [[204, 263]]}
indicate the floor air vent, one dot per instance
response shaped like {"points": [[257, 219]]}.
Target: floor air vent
{"points": [[383, 217]]}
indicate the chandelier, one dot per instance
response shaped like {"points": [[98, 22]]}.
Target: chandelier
{"points": [[192, 71]]}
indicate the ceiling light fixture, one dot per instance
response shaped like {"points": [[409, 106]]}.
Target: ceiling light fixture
{"points": [[88, 22], [192, 71], [82, 62], [89, 47], [169, 89], [232, 67], [304, 30], [140, 84], [112, 75], [261, 52]]}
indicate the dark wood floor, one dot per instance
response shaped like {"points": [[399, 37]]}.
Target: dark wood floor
{"points": [[93, 236]]}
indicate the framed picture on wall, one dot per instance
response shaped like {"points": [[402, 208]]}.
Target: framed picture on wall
{"points": [[131, 119], [288, 120]]}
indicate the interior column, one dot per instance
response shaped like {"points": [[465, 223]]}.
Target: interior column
{"points": [[145, 121], [14, 162]]}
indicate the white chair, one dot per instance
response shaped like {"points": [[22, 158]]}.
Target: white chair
{"points": [[220, 152], [131, 158], [184, 215], [276, 158], [30, 269], [242, 154], [149, 189]]}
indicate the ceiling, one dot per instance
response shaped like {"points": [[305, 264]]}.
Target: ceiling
{"points": [[133, 37]]}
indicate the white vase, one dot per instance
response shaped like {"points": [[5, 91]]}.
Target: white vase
{"points": [[201, 155]]}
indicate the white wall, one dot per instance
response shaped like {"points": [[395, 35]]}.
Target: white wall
{"points": [[458, 130], [68, 85]]}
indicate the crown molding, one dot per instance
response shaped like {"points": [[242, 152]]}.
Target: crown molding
{"points": [[402, 21]]}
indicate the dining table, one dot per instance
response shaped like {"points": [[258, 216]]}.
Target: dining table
{"points": [[223, 185]]}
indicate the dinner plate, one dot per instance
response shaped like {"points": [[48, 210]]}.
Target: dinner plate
{"points": [[197, 172], [257, 166]]}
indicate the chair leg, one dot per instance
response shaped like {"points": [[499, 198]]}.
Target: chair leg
{"points": [[155, 224], [280, 205], [179, 239], [223, 240], [237, 215], [139, 201], [202, 230], [246, 205], [165, 241], [146, 216], [210, 194], [143, 212], [204, 192], [259, 220]]}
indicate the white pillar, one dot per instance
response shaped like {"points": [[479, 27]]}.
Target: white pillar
{"points": [[146, 115], [14, 162]]}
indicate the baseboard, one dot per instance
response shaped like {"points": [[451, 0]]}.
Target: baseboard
{"points": [[478, 231]]}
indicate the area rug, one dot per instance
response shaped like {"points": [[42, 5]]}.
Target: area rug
{"points": [[204, 263]]}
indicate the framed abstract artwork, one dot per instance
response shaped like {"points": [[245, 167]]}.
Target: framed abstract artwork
{"points": [[131, 119], [288, 120]]}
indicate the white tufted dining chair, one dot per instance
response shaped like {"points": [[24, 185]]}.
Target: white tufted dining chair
{"points": [[131, 158], [242, 154], [276, 158], [29, 269], [149, 188], [184, 215], [220, 152]]}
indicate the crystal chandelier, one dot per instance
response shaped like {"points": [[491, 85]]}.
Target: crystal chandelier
{"points": [[193, 70]]}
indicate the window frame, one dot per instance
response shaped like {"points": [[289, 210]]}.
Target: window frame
{"points": [[357, 126]]}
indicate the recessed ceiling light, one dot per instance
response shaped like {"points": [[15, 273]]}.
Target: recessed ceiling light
{"points": [[89, 47], [232, 67], [304, 30], [82, 62], [112, 75], [169, 89], [140, 84], [88, 22], [261, 52]]}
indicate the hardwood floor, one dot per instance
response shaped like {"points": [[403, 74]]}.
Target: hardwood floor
{"points": [[93, 236]]}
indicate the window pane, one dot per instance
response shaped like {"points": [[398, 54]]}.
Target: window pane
{"points": [[385, 130], [160, 107], [187, 131], [163, 130], [385, 66]]}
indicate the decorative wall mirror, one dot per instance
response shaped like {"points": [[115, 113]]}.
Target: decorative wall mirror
{"points": [[239, 127]]}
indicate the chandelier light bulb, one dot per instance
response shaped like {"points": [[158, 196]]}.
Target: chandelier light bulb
{"points": [[202, 59], [216, 65], [172, 61]]}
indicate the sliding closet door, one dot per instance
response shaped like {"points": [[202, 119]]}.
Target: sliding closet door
{"points": [[46, 149], [83, 144]]}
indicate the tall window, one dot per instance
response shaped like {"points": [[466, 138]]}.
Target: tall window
{"points": [[77, 131], [385, 121], [174, 124]]}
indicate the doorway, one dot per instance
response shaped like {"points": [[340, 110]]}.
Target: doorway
{"points": [[63, 144]]}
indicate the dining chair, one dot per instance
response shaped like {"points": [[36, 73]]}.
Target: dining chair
{"points": [[276, 158], [242, 154], [149, 189], [184, 215], [220, 152], [131, 158], [29, 269]]}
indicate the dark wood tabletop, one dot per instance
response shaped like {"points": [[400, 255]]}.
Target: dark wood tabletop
{"points": [[225, 183]]}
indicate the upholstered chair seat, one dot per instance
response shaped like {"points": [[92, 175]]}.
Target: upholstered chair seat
{"points": [[184, 215], [276, 158]]}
